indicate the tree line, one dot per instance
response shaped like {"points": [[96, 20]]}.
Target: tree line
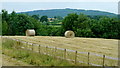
{"points": [[83, 25], [98, 26]]}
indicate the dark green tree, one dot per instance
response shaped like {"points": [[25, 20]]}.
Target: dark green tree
{"points": [[69, 21], [44, 18], [35, 17], [4, 28], [81, 22], [13, 26], [5, 16], [55, 17], [58, 17], [82, 26]]}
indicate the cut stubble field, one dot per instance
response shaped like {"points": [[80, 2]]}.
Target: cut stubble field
{"points": [[108, 47]]}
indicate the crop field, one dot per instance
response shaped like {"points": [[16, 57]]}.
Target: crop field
{"points": [[107, 47]]}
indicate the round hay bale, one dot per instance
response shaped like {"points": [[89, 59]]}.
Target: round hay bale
{"points": [[30, 32], [69, 34]]}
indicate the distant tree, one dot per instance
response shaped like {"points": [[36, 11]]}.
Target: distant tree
{"points": [[4, 28], [96, 17], [51, 19], [44, 18], [45, 23], [55, 17], [5, 22], [59, 17], [35, 17], [0, 24], [25, 22], [106, 27], [13, 20], [68, 21], [82, 26], [84, 32], [5, 16], [81, 22]]}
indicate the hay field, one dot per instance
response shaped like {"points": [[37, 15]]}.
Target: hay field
{"points": [[108, 47]]}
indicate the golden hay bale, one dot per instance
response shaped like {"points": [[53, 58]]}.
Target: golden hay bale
{"points": [[69, 34], [30, 32]]}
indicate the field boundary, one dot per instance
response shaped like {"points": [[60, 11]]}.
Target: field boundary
{"points": [[66, 54]]}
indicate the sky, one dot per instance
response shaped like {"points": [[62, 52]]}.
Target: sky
{"points": [[60, 0], [24, 5]]}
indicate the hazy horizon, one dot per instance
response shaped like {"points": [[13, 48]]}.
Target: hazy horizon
{"points": [[111, 7]]}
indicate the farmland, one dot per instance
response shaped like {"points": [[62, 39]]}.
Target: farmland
{"points": [[97, 47], [22, 57], [108, 47]]}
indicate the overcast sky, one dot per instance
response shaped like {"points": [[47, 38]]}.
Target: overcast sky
{"points": [[25, 5], [60, 0]]}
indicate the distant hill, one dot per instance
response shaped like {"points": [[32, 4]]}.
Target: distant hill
{"points": [[63, 12]]}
